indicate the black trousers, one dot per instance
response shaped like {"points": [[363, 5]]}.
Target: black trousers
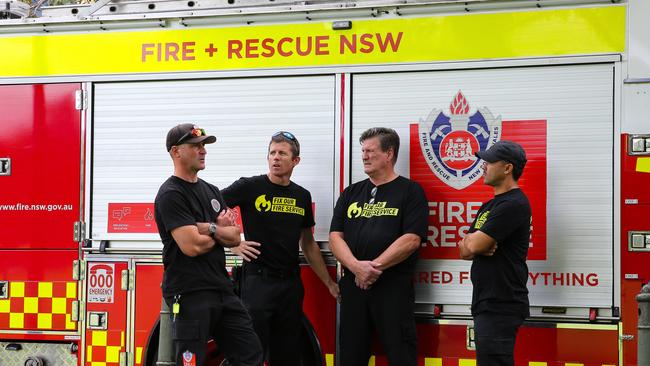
{"points": [[218, 315], [274, 301], [387, 308], [495, 336]]}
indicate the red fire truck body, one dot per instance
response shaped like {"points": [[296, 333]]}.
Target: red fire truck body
{"points": [[88, 92]]}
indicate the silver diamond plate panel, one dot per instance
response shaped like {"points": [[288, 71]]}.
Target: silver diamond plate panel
{"points": [[49, 353]]}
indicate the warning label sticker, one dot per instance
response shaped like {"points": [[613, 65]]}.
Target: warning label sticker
{"points": [[101, 282]]}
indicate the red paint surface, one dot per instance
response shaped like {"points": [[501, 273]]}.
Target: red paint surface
{"points": [[41, 135], [148, 297], [117, 314], [320, 308], [532, 137], [634, 217]]}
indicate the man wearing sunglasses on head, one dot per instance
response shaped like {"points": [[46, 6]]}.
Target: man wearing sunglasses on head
{"points": [[277, 218], [195, 225], [377, 227]]}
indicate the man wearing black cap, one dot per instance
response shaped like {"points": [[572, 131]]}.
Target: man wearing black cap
{"points": [[277, 218], [497, 243], [194, 225]]}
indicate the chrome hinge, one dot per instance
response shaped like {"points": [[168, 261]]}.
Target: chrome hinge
{"points": [[627, 337], [127, 280], [126, 359], [80, 99], [78, 269], [79, 231], [77, 311], [469, 340], [4, 289], [5, 166]]}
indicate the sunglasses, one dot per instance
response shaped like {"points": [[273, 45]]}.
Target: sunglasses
{"points": [[195, 132], [373, 193], [286, 134]]}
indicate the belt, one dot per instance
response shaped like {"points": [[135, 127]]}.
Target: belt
{"points": [[264, 271]]}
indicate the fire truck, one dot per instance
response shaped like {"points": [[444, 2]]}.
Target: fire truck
{"points": [[88, 92]]}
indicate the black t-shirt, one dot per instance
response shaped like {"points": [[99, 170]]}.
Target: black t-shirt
{"points": [[400, 207], [273, 215], [181, 203], [500, 280]]}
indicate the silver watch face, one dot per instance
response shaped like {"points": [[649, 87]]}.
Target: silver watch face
{"points": [[213, 228]]}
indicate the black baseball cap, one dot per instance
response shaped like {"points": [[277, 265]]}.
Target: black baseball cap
{"points": [[187, 133], [505, 150]]}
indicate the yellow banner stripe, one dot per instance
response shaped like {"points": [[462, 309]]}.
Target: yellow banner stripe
{"points": [[30, 305], [71, 290], [16, 289], [587, 326], [4, 306], [59, 305], [45, 289], [69, 324], [329, 359], [578, 31], [16, 320], [99, 338], [44, 321], [643, 165], [465, 362], [113, 354], [433, 362]]}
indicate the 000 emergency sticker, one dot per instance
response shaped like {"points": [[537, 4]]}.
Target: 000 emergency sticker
{"points": [[101, 283]]}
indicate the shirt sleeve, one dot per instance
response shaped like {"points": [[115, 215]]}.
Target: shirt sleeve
{"points": [[309, 213], [503, 219], [234, 194], [416, 212], [338, 216], [174, 211]]}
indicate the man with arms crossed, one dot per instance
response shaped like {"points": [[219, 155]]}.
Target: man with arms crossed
{"points": [[377, 228], [497, 244], [277, 217], [195, 282]]}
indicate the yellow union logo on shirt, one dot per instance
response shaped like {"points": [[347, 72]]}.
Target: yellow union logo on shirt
{"points": [[278, 204], [370, 210], [481, 220]]}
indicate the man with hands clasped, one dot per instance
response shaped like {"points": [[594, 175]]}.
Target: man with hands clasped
{"points": [[377, 227]]}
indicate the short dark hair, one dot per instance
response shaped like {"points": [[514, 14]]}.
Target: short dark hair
{"points": [[388, 139], [284, 137], [517, 171]]}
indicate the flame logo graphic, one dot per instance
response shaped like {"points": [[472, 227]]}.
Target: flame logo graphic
{"points": [[262, 202], [354, 210]]}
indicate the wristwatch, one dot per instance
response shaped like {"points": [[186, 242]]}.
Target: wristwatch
{"points": [[212, 229]]}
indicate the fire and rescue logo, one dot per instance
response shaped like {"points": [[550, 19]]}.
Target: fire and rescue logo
{"points": [[189, 358], [449, 142], [261, 203]]}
